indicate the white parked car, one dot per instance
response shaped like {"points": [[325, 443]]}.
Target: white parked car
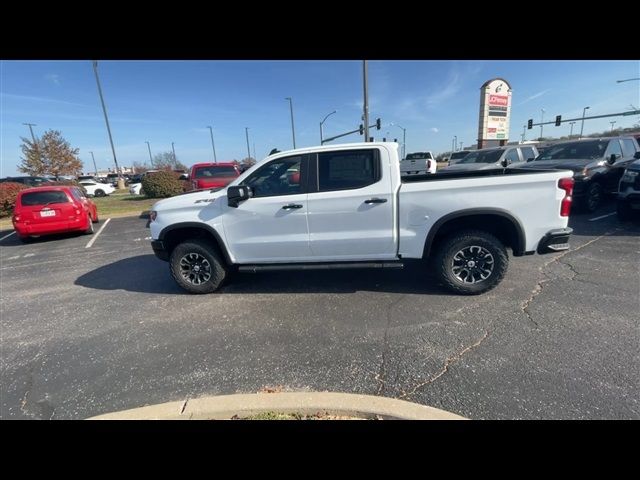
{"points": [[96, 189], [418, 163], [135, 189]]}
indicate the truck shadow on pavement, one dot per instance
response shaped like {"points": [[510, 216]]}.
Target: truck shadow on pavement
{"points": [[147, 274]]}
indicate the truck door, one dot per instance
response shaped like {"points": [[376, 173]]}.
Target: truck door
{"points": [[351, 205], [272, 225]]}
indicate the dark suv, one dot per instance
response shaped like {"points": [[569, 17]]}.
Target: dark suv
{"points": [[597, 165], [30, 181]]}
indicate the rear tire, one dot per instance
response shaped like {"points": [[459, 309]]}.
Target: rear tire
{"points": [[471, 262], [197, 267], [99, 193], [25, 239], [89, 231]]}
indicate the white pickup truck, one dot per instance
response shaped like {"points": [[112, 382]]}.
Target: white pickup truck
{"points": [[418, 163], [346, 206]]}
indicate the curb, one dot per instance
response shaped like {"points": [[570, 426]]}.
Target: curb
{"points": [[226, 406]]}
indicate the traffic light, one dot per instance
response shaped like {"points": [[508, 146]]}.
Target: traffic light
{"points": [[371, 139], [530, 124], [377, 123], [361, 129], [558, 120]]}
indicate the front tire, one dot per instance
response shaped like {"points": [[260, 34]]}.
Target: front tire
{"points": [[471, 262], [197, 267], [624, 211], [100, 193], [593, 198]]}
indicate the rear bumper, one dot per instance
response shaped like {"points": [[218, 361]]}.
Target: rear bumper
{"points": [[159, 250], [555, 241], [50, 228]]}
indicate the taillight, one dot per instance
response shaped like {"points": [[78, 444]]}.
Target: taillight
{"points": [[566, 184], [77, 212]]}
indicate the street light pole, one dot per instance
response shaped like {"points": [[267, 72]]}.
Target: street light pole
{"points": [[150, 157], [584, 110], [321, 123], [213, 145], [404, 139], [571, 131], [365, 116], [455, 143], [173, 149], [612, 124], [293, 130], [524, 130], [246, 131], [106, 119], [460, 145], [541, 121], [95, 168]]}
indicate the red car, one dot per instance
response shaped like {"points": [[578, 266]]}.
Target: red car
{"points": [[48, 210], [212, 175]]}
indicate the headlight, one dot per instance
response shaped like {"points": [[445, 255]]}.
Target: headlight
{"points": [[153, 215], [629, 176]]}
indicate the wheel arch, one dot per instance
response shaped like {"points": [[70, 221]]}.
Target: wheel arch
{"points": [[498, 222], [174, 234]]}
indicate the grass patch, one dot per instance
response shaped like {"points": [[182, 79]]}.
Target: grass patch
{"points": [[122, 204]]}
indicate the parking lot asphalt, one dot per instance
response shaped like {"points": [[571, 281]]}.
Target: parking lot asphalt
{"points": [[93, 329]]}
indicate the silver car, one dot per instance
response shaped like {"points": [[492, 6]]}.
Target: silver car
{"points": [[498, 157]]}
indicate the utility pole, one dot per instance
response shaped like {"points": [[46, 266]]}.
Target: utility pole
{"points": [[365, 117], [254, 151], [293, 130], [33, 138], [584, 110], [150, 157], [94, 164], [173, 149], [571, 131], [213, 145], [524, 131], [541, 121], [246, 131], [106, 119], [612, 124]]}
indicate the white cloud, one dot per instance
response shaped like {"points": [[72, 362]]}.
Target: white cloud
{"points": [[534, 96], [53, 78], [435, 129], [40, 99]]}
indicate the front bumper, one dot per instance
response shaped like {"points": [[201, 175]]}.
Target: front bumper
{"points": [[160, 250], [555, 240]]}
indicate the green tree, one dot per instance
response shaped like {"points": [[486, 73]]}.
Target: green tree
{"points": [[50, 155]]}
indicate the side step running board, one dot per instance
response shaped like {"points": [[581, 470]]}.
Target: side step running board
{"points": [[273, 267]]}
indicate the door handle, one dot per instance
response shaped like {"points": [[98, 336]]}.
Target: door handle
{"points": [[376, 200], [291, 206]]}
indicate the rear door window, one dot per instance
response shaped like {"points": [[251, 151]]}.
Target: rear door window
{"points": [[348, 169], [527, 153], [512, 155], [628, 147], [43, 198]]}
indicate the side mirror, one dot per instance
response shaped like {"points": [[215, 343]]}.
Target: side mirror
{"points": [[530, 159], [237, 194], [637, 155], [505, 163], [612, 159]]}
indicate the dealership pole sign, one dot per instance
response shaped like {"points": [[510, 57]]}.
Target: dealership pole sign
{"points": [[495, 112]]}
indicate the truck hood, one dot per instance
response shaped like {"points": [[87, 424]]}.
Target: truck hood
{"points": [[468, 166], [569, 164]]}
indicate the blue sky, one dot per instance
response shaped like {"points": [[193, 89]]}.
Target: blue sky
{"points": [[174, 101]]}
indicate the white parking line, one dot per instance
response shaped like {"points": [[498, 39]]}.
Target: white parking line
{"points": [[601, 217], [7, 236], [96, 235]]}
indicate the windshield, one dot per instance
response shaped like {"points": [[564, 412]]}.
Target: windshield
{"points": [[44, 198], [588, 150], [457, 155], [215, 171], [419, 156], [482, 156]]}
